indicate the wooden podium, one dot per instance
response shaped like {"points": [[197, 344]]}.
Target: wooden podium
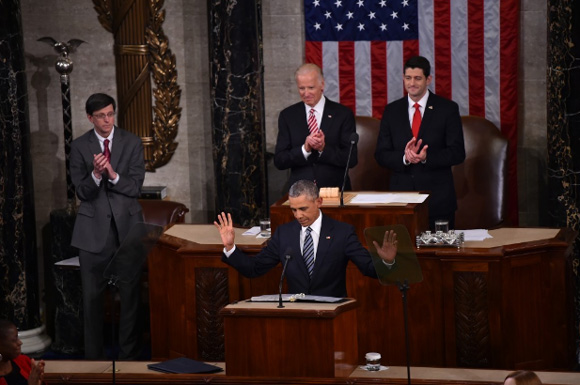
{"points": [[300, 340]]}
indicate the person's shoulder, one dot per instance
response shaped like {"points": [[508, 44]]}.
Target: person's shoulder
{"points": [[85, 136], [23, 361], [435, 99], [126, 134], [336, 224], [293, 108]]}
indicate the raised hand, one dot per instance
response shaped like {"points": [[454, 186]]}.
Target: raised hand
{"points": [[225, 226], [388, 250]]}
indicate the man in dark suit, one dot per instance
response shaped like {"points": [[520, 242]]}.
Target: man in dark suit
{"points": [[332, 244], [314, 135], [107, 169], [422, 160]]}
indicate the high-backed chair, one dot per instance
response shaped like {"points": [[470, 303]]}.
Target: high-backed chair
{"points": [[367, 175], [163, 212], [480, 181]]}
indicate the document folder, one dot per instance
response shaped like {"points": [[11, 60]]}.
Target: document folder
{"points": [[184, 365]]}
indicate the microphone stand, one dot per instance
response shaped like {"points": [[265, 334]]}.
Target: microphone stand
{"points": [[353, 140], [288, 256]]}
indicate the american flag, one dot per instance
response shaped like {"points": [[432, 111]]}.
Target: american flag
{"points": [[361, 46]]}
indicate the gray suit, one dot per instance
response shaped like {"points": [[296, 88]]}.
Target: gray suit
{"points": [[106, 214]]}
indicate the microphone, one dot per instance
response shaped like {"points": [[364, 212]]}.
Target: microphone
{"points": [[287, 256], [353, 140]]}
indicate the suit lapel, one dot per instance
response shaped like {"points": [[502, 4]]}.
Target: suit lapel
{"points": [[94, 145], [117, 149], [427, 115], [327, 116], [324, 243]]}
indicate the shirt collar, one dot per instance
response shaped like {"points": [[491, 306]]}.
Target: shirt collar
{"points": [[102, 139], [316, 225], [319, 107], [422, 102]]}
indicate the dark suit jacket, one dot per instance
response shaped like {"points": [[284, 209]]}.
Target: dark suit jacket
{"points": [[327, 169], [337, 245], [100, 203], [441, 129]]}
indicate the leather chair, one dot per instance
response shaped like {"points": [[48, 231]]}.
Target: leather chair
{"points": [[480, 181], [163, 212], [367, 175]]}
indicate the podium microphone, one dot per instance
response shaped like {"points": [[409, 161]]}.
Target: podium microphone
{"points": [[287, 256], [353, 140]]}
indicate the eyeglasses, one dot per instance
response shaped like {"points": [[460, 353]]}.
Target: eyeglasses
{"points": [[103, 116]]}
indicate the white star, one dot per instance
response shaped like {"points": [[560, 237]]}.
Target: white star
{"points": [[316, 3], [338, 3], [317, 26], [383, 3], [371, 15], [405, 26], [328, 14], [405, 3], [338, 27], [361, 27], [349, 15], [383, 27], [394, 15], [360, 3]]}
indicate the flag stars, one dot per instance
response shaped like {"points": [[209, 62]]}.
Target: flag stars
{"points": [[383, 3], [383, 27], [405, 3], [338, 3], [360, 3], [371, 15], [349, 15], [394, 15], [328, 15], [317, 26], [316, 3], [338, 27], [405, 26], [361, 27]]}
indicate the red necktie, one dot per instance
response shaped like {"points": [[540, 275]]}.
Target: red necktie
{"points": [[416, 120], [106, 150], [312, 125]]}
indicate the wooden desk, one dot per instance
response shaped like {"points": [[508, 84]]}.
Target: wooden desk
{"points": [[299, 340], [414, 216], [501, 307]]}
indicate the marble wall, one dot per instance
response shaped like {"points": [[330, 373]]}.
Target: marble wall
{"points": [[189, 175]]}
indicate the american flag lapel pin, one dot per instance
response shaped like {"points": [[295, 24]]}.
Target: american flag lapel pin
{"points": [[329, 116], [430, 107], [328, 237]]}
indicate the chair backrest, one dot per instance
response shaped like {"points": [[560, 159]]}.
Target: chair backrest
{"points": [[163, 212], [480, 181], [367, 175]]}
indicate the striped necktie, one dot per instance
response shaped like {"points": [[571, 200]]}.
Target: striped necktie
{"points": [[106, 150], [312, 125], [308, 251]]}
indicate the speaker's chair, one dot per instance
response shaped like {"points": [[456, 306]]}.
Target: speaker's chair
{"points": [[480, 181], [367, 175]]}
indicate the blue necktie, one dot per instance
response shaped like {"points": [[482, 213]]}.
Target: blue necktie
{"points": [[308, 251]]}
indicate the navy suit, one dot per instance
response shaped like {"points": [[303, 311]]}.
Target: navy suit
{"points": [[327, 169], [442, 131], [337, 245], [105, 215]]}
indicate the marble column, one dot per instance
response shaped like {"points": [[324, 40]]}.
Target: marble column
{"points": [[19, 300], [563, 131], [236, 81]]}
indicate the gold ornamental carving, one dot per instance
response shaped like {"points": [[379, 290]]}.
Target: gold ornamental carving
{"points": [[124, 19]]}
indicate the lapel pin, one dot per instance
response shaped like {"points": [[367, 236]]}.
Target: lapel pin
{"points": [[329, 116], [328, 237], [430, 107]]}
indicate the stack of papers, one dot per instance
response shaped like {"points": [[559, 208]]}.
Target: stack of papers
{"points": [[388, 198], [474, 235]]}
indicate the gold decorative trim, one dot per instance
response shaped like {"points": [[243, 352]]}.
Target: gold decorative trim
{"points": [[160, 141], [167, 92]]}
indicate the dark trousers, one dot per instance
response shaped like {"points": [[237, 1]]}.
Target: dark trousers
{"points": [[96, 274]]}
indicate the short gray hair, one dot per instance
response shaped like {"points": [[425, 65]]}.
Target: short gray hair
{"points": [[304, 187], [307, 68]]}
